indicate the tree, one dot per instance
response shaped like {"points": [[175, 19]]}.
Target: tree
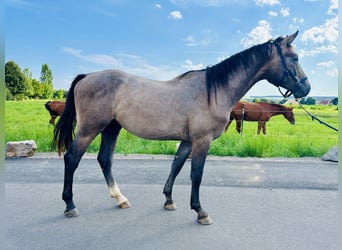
{"points": [[38, 89], [302, 101], [59, 94], [14, 78], [310, 101], [46, 79], [283, 101], [28, 81], [334, 101]]}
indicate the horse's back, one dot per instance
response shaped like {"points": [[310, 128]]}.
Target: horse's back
{"points": [[147, 108]]}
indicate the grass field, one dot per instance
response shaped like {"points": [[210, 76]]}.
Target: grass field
{"points": [[25, 120]]}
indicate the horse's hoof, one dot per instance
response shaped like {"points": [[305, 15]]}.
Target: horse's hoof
{"points": [[124, 204], [71, 213], [170, 205], [205, 220]]}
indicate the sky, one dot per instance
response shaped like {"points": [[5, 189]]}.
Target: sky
{"points": [[162, 39]]}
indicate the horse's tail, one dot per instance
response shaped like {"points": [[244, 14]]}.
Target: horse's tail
{"points": [[64, 129]]}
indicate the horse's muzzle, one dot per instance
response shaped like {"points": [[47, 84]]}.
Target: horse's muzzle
{"points": [[302, 89]]}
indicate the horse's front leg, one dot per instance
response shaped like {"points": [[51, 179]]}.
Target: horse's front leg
{"points": [[182, 154], [199, 154]]}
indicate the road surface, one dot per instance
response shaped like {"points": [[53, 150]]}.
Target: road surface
{"points": [[254, 203]]}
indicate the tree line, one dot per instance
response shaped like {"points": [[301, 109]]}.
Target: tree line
{"points": [[20, 84]]}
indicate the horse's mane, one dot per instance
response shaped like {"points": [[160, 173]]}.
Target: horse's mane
{"points": [[218, 75]]}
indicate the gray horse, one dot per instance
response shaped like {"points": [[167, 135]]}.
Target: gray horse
{"points": [[193, 108]]}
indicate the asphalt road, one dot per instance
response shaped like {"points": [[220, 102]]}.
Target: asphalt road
{"points": [[254, 204]]}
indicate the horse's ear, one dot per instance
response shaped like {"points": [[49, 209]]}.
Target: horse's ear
{"points": [[286, 40], [289, 39]]}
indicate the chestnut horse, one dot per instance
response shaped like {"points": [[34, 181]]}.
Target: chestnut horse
{"points": [[192, 108], [55, 109], [260, 112]]}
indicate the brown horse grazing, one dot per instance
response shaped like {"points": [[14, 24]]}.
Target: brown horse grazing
{"points": [[55, 109], [193, 108], [260, 112]]}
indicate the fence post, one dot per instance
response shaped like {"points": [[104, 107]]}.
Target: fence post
{"points": [[242, 118]]}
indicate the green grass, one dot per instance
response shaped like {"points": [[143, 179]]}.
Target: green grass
{"points": [[26, 120]]}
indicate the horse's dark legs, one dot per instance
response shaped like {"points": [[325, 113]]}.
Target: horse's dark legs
{"points": [[71, 161], [182, 153], [259, 127], [238, 126], [264, 127], [105, 158], [199, 154]]}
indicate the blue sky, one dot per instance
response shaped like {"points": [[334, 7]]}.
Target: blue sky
{"points": [[161, 39]]}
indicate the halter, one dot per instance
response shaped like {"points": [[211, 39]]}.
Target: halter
{"points": [[289, 74]]}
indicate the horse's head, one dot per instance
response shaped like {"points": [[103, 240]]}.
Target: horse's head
{"points": [[288, 114], [284, 69]]}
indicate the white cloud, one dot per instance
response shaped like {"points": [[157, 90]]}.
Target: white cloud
{"points": [[333, 6], [327, 64], [328, 32], [100, 59], [285, 12], [190, 66], [273, 13], [320, 50], [299, 20], [190, 41], [215, 3], [259, 34], [208, 37], [331, 68], [133, 64], [332, 72], [158, 6], [266, 2], [175, 15]]}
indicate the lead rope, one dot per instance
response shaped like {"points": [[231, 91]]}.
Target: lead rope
{"points": [[315, 118]]}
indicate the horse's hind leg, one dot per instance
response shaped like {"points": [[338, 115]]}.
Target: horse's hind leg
{"points": [[182, 153], [105, 158], [71, 161], [259, 127]]}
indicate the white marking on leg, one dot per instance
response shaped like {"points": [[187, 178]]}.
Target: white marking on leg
{"points": [[116, 194]]}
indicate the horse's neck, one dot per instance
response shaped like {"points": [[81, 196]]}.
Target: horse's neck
{"points": [[276, 110], [242, 81]]}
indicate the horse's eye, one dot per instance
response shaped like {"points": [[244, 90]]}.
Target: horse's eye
{"points": [[295, 58]]}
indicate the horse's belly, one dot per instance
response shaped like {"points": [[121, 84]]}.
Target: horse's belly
{"points": [[153, 132], [155, 128]]}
